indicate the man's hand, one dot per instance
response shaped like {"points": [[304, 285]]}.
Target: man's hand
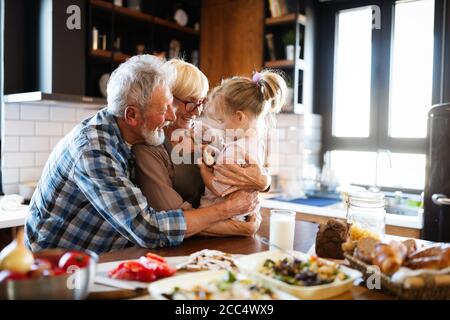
{"points": [[251, 226], [230, 227], [240, 202], [252, 177]]}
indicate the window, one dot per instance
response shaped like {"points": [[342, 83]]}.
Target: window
{"points": [[412, 68], [375, 115], [352, 73]]}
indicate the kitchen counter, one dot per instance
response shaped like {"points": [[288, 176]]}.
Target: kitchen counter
{"points": [[13, 218], [408, 226]]}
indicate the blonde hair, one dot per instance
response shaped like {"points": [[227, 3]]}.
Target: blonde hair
{"points": [[190, 81], [265, 93]]}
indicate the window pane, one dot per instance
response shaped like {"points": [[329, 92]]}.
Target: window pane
{"points": [[351, 112], [403, 171], [395, 170], [354, 167], [412, 69]]}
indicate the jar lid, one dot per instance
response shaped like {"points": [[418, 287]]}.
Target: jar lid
{"points": [[367, 199]]}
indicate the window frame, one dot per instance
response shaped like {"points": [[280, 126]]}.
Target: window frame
{"points": [[382, 41]]}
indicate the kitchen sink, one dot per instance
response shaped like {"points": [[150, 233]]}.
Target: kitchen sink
{"points": [[403, 210]]}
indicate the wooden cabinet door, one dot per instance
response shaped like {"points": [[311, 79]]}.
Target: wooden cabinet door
{"points": [[231, 38]]}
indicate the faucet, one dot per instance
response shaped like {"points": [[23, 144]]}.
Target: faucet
{"points": [[380, 151]]}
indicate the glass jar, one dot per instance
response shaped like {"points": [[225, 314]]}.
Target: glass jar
{"points": [[366, 212]]}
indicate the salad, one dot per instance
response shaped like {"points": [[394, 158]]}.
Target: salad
{"points": [[228, 288], [312, 272]]}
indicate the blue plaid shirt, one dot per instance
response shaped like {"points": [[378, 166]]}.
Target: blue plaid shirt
{"points": [[86, 199]]}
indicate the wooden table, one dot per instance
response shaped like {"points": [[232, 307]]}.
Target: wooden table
{"points": [[305, 235]]}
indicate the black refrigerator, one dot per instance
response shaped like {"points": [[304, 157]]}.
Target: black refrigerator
{"points": [[437, 183]]}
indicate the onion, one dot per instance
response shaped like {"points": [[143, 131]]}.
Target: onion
{"points": [[16, 257]]}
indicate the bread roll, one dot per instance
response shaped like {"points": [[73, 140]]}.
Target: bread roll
{"points": [[389, 257], [365, 249], [436, 257]]}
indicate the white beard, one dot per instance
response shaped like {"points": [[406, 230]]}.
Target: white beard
{"points": [[153, 137]]}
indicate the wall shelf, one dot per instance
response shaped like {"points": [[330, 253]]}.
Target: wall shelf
{"points": [[145, 17], [279, 64], [286, 19], [118, 57]]}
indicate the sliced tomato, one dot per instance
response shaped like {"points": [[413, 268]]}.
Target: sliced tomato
{"points": [[148, 268], [155, 257]]}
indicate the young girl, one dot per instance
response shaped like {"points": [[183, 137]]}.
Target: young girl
{"points": [[241, 104]]}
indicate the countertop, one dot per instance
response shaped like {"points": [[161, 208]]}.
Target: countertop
{"points": [[338, 211], [13, 218]]}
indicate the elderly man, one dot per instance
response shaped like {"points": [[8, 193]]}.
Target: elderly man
{"points": [[86, 198]]}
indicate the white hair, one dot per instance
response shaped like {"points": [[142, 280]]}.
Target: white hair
{"points": [[133, 82]]}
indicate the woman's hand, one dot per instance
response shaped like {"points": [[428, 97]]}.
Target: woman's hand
{"points": [[240, 202], [251, 177]]}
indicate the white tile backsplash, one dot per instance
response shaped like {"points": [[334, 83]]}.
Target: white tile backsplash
{"points": [[67, 127], [84, 113], [49, 129], [63, 114], [10, 188], [30, 132], [34, 144], [30, 174], [10, 176], [295, 154], [54, 141], [10, 144], [41, 158], [12, 111], [34, 112], [17, 160], [19, 128]]}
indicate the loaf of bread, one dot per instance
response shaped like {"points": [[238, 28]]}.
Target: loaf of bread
{"points": [[434, 257], [330, 238]]}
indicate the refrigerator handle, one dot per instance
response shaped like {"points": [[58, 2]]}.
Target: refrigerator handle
{"points": [[440, 199]]}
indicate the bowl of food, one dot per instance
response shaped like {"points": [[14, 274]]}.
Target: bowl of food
{"points": [[214, 285], [301, 275], [49, 274]]}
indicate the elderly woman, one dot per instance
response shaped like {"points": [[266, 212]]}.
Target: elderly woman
{"points": [[170, 185]]}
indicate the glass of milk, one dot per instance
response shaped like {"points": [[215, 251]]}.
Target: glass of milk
{"points": [[282, 229]]}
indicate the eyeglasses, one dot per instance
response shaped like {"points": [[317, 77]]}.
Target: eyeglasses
{"points": [[190, 106]]}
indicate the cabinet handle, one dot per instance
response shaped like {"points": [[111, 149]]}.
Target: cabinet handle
{"points": [[440, 199]]}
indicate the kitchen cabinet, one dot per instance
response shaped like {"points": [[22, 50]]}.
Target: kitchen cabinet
{"points": [[231, 38]]}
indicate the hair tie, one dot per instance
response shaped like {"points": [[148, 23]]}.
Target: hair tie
{"points": [[257, 78]]}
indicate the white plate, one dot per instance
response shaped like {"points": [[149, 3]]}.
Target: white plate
{"points": [[252, 263], [103, 269], [187, 281]]}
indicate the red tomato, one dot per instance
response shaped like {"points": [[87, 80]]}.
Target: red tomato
{"points": [[73, 258]]}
